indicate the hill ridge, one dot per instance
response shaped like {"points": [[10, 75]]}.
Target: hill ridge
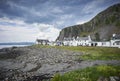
{"points": [[101, 27]]}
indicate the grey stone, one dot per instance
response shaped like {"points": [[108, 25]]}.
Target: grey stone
{"points": [[114, 78], [31, 61]]}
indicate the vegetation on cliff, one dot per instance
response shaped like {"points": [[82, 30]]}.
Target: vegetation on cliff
{"points": [[101, 27]]}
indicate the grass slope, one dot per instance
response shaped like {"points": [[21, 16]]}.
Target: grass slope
{"points": [[90, 53], [88, 74], [96, 53]]}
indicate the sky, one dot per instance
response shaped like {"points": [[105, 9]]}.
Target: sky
{"points": [[27, 20]]}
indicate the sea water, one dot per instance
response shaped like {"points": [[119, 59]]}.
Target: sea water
{"points": [[6, 46], [15, 45]]}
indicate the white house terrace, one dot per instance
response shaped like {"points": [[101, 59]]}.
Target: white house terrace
{"points": [[83, 41]]}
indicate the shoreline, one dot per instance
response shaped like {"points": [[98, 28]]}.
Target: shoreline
{"points": [[42, 63], [14, 45]]}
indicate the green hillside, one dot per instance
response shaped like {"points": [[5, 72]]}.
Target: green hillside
{"points": [[101, 27]]}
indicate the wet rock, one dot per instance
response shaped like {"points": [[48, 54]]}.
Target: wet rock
{"points": [[111, 78], [41, 63], [114, 78], [29, 66], [101, 78]]}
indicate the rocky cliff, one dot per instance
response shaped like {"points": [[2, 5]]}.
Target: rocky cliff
{"points": [[101, 27]]}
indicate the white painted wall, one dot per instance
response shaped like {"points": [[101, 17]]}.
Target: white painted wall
{"points": [[88, 42], [113, 44]]}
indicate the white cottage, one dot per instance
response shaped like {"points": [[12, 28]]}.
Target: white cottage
{"points": [[52, 43], [42, 41], [69, 42], [83, 41], [79, 41], [101, 43], [115, 40]]}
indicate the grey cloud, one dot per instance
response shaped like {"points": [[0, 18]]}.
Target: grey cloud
{"points": [[53, 11]]}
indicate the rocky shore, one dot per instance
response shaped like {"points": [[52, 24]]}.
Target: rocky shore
{"points": [[38, 64]]}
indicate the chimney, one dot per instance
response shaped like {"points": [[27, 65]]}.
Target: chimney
{"points": [[114, 35]]}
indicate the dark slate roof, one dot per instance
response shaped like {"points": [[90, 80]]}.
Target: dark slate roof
{"points": [[41, 40], [78, 38], [82, 38], [116, 37], [68, 39]]}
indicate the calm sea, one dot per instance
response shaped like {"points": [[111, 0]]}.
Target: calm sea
{"points": [[5, 45]]}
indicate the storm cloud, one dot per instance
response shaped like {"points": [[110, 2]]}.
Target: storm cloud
{"points": [[47, 15]]}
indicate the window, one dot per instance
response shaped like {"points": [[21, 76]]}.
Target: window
{"points": [[103, 43], [113, 43], [118, 43]]}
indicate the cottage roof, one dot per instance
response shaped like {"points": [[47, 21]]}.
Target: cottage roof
{"points": [[41, 40], [68, 39], [82, 38], [117, 36]]}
